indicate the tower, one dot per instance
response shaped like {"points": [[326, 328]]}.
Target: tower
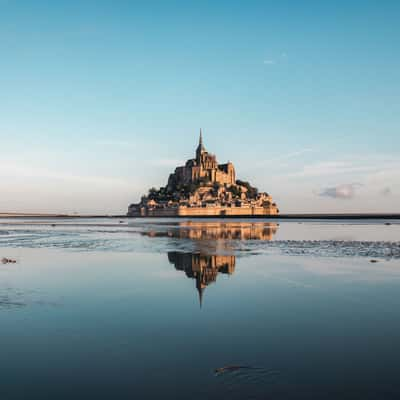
{"points": [[200, 148]]}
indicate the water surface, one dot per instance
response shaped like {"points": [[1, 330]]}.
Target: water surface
{"points": [[201, 309]]}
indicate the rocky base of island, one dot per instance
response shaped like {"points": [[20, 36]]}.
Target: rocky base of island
{"points": [[205, 200]]}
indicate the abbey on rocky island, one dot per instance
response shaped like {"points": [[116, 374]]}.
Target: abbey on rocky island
{"points": [[203, 168], [202, 187]]}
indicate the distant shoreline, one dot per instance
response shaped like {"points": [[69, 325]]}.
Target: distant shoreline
{"points": [[322, 216]]}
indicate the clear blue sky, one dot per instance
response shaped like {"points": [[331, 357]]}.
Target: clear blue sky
{"points": [[100, 99]]}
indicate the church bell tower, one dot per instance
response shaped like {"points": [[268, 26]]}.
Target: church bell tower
{"points": [[200, 148]]}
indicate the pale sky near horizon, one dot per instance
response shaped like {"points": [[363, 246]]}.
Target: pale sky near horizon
{"points": [[100, 100]]}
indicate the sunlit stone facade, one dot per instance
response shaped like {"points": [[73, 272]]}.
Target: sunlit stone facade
{"points": [[203, 167]]}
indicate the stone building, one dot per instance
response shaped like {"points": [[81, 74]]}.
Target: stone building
{"points": [[202, 187], [204, 167]]}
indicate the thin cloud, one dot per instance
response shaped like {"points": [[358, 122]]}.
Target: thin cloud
{"points": [[295, 153], [116, 143], [351, 165], [386, 191], [15, 170], [333, 168], [345, 191], [166, 162], [277, 161], [270, 61]]}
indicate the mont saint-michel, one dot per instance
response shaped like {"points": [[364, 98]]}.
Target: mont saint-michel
{"points": [[202, 187]]}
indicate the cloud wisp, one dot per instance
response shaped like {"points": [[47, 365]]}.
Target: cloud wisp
{"points": [[9, 170], [166, 162], [116, 143], [344, 191], [350, 165], [386, 191], [283, 158], [271, 61]]}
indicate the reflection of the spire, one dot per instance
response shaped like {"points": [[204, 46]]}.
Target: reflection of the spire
{"points": [[203, 268]]}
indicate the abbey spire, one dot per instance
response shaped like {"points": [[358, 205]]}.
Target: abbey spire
{"points": [[200, 148]]}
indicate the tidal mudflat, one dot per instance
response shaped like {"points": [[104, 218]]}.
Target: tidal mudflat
{"points": [[199, 309]]}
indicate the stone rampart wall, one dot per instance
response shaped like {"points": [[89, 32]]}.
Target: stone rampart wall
{"points": [[207, 212]]}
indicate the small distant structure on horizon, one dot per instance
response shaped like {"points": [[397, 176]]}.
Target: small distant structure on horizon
{"points": [[202, 187]]}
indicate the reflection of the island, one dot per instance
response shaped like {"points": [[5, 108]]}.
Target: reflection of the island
{"points": [[203, 268], [218, 230], [213, 246]]}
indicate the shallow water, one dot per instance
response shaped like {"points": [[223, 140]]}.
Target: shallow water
{"points": [[202, 309]]}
